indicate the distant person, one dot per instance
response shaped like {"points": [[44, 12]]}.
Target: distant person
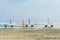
{"points": [[5, 26], [51, 25], [23, 24], [11, 26], [32, 25]]}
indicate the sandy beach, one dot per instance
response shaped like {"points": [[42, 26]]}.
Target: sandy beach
{"points": [[30, 34]]}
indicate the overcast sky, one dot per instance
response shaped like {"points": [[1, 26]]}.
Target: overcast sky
{"points": [[36, 10]]}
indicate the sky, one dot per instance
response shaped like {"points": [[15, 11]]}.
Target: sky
{"points": [[37, 10]]}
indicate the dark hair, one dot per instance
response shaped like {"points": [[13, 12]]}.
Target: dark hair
{"points": [[32, 25], [46, 26], [11, 25], [5, 25], [26, 25], [51, 25]]}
